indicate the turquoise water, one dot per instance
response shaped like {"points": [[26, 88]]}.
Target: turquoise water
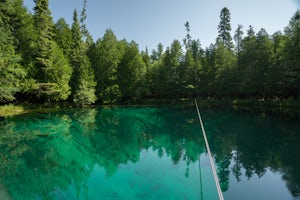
{"points": [[149, 153], [106, 153]]}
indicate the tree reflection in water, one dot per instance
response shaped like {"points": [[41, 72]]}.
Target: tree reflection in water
{"points": [[255, 142], [43, 154]]}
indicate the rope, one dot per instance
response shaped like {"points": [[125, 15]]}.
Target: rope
{"points": [[210, 157]]}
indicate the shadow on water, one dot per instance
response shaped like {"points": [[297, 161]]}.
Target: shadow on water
{"points": [[44, 155]]}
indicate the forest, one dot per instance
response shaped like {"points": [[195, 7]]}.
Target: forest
{"points": [[45, 61]]}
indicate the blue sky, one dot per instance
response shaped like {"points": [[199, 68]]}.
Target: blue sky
{"points": [[149, 22]]}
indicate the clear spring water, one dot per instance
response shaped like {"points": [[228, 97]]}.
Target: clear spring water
{"points": [[148, 153]]}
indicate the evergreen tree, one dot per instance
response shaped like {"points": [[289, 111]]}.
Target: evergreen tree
{"points": [[224, 29], [131, 73], [256, 58], [146, 58], [190, 70], [148, 74], [11, 72], [170, 74], [106, 56], [276, 71], [85, 33], [225, 65], [82, 82], [189, 75], [43, 59], [264, 56], [63, 36], [22, 26], [52, 69], [209, 71], [59, 74], [156, 54], [238, 39], [196, 50], [247, 61], [44, 30], [224, 61], [188, 38], [292, 56]]}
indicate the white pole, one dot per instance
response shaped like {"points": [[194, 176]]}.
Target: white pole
{"points": [[210, 157]]}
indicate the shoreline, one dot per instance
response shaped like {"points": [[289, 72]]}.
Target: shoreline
{"points": [[247, 104]]}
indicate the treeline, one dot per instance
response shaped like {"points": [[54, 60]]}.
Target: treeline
{"points": [[42, 61]]}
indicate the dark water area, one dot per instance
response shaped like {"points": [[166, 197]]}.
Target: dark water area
{"points": [[257, 153], [149, 153]]}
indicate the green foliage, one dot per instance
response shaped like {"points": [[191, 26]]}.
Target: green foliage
{"points": [[56, 62], [292, 56], [188, 38], [255, 58], [131, 73], [11, 72], [224, 28], [10, 109], [169, 76], [225, 65], [156, 54], [44, 42], [85, 93], [23, 26], [60, 73], [85, 33], [82, 82], [105, 56], [238, 36], [276, 71], [53, 69], [63, 36]]}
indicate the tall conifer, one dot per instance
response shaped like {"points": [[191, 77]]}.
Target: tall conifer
{"points": [[224, 29], [83, 83], [53, 70]]}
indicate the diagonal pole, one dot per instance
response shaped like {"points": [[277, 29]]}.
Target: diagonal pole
{"points": [[210, 157]]}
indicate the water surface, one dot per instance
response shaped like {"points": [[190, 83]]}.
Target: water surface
{"points": [[149, 153]]}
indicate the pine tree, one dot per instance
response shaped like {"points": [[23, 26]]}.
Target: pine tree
{"points": [[11, 72], [53, 70], [238, 39], [170, 74], [85, 33], [191, 69], [63, 36], [44, 30], [224, 29], [82, 82], [187, 39], [156, 54], [22, 26]]}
